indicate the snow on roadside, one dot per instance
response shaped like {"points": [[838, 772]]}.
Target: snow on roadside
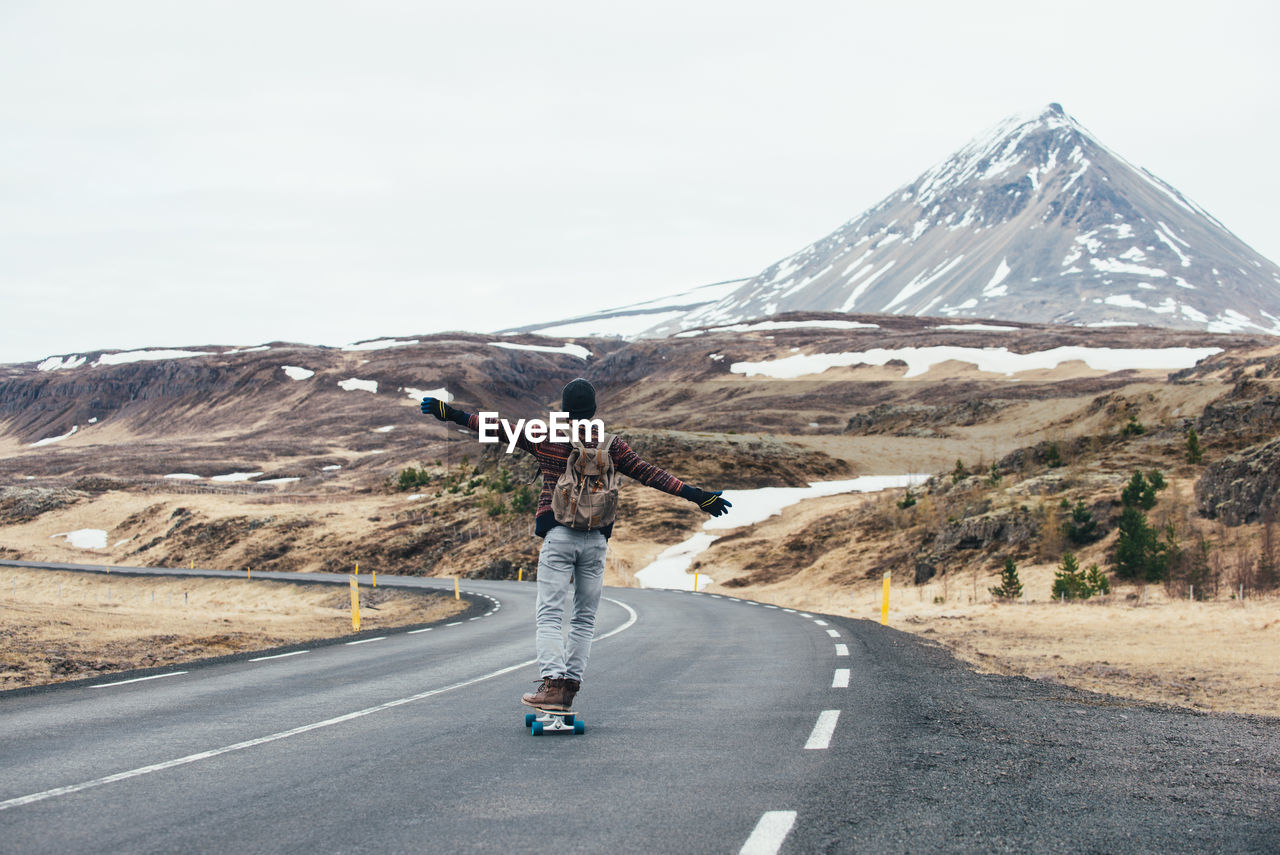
{"points": [[85, 538], [670, 568]]}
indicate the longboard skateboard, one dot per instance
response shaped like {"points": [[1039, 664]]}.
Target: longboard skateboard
{"points": [[553, 721]]}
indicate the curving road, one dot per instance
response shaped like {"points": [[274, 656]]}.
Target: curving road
{"points": [[714, 725]]}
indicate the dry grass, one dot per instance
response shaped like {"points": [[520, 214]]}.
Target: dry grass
{"points": [[57, 626], [1220, 655]]}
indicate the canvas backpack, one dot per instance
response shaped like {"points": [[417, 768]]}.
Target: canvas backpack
{"points": [[586, 495]]}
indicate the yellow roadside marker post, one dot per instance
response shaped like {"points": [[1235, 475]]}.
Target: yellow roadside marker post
{"points": [[695, 582], [355, 605], [248, 573], [456, 595], [884, 604], [520, 575], [375, 578]]}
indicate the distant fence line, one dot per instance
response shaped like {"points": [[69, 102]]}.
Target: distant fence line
{"points": [[262, 493]]}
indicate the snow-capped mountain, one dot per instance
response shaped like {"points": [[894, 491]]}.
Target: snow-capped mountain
{"points": [[1035, 221]]}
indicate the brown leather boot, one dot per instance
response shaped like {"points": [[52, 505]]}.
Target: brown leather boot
{"points": [[571, 688], [549, 696]]}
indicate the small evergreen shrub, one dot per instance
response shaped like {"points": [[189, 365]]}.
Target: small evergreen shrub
{"points": [[1010, 587]]}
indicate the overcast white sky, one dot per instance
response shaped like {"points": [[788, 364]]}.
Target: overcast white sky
{"points": [[182, 173]]}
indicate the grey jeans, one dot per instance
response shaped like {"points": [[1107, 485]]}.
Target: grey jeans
{"points": [[569, 561]]}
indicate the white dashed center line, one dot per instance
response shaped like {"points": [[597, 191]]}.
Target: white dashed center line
{"points": [[841, 679], [279, 656], [823, 730], [842, 650], [769, 833], [833, 633], [136, 680], [366, 640]]}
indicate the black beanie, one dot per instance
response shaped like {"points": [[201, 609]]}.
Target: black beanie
{"points": [[578, 399]]}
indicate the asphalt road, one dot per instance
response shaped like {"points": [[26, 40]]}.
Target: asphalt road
{"points": [[713, 725]]}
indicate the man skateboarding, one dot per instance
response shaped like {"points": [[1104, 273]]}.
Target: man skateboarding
{"points": [[571, 561]]}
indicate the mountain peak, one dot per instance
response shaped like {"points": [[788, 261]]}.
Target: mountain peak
{"points": [[1035, 221]]}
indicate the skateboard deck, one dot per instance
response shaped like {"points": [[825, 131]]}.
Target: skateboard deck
{"points": [[554, 721]]}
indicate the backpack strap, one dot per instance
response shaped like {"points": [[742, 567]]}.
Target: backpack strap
{"points": [[602, 450]]}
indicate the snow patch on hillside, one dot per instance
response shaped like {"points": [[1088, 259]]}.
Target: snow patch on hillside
{"points": [[85, 538], [996, 360], [131, 356], [50, 440], [379, 344], [418, 394], [567, 348], [61, 363], [754, 326]]}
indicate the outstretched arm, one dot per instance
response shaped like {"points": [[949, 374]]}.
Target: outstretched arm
{"points": [[470, 421], [629, 463]]}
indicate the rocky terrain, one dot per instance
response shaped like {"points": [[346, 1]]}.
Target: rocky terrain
{"points": [[291, 457]]}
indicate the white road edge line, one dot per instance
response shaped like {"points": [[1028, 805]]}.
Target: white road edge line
{"points": [[823, 730], [841, 679], [136, 680], [770, 833], [280, 656], [284, 734]]}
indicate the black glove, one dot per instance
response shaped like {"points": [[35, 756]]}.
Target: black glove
{"points": [[438, 408], [712, 503]]}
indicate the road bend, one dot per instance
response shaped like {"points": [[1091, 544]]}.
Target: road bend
{"points": [[713, 725]]}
